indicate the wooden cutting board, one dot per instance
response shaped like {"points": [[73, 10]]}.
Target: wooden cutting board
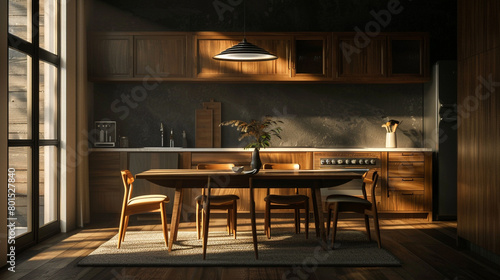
{"points": [[204, 128], [216, 107]]}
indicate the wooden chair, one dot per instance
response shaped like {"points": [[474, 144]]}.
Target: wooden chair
{"points": [[348, 203], [221, 202], [295, 202], [140, 204]]}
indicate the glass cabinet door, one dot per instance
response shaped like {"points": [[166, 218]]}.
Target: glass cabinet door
{"points": [[310, 57], [407, 56]]}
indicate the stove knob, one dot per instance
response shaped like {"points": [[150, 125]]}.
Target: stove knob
{"points": [[361, 161], [372, 161], [339, 161], [327, 161], [353, 161], [332, 161], [347, 161], [322, 162], [367, 161]]}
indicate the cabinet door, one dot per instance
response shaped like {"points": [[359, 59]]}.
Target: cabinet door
{"points": [[406, 169], [280, 46], [361, 61], [161, 55], [207, 67], [207, 46], [406, 201], [408, 56], [311, 58], [105, 183], [110, 57]]}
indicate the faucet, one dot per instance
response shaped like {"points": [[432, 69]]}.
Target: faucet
{"points": [[161, 130]]}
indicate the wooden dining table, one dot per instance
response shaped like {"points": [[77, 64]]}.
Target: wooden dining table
{"points": [[181, 179]]}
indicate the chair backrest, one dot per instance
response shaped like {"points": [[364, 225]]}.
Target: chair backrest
{"points": [[282, 166], [370, 179], [215, 166], [128, 184]]}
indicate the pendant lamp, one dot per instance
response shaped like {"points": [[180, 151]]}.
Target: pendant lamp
{"points": [[245, 51]]}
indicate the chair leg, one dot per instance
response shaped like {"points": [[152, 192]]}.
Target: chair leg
{"points": [[268, 215], [235, 217], [335, 219], [198, 219], [228, 221], [206, 221], [367, 226], [297, 220], [164, 223], [328, 221], [265, 220], [307, 218], [125, 225], [377, 228], [120, 230]]}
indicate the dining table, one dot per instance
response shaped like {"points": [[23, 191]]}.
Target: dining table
{"points": [[316, 179]]}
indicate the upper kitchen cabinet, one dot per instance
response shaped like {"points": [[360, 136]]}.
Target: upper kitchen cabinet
{"points": [[310, 57], [161, 55], [360, 59], [408, 57], [207, 45], [111, 57], [340, 57]]}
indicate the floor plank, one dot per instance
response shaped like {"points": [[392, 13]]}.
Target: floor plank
{"points": [[427, 250]]}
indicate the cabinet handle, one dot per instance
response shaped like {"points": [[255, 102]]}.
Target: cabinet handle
{"points": [[411, 179], [407, 164], [407, 154], [406, 193]]}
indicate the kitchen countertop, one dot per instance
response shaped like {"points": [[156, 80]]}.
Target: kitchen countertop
{"points": [[290, 149]]}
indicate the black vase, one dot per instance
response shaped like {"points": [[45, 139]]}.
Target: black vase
{"points": [[256, 163]]}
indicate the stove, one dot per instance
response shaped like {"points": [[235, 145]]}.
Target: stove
{"points": [[341, 160], [346, 160]]}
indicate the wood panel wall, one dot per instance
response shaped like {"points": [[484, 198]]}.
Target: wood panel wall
{"points": [[479, 123]]}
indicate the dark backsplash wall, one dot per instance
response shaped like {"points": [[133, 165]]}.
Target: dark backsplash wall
{"points": [[315, 115]]}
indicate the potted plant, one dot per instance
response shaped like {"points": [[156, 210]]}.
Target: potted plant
{"points": [[260, 131]]}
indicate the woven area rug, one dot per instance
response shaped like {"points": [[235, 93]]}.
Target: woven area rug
{"points": [[146, 248]]}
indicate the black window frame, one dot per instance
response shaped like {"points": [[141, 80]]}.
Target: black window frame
{"points": [[38, 55]]}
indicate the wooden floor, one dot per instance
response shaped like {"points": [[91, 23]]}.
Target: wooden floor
{"points": [[426, 249]]}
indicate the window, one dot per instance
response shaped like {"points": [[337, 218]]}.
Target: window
{"points": [[34, 117]]}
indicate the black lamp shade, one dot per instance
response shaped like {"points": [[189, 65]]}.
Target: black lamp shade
{"points": [[245, 51]]}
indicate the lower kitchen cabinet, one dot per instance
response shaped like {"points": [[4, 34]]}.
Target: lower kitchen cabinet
{"points": [[105, 183], [139, 162], [405, 182], [408, 185]]}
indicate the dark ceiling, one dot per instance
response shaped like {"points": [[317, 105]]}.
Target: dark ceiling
{"points": [[439, 18]]}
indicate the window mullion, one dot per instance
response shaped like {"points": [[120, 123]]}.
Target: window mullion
{"points": [[35, 115], [49, 57], [19, 44]]}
